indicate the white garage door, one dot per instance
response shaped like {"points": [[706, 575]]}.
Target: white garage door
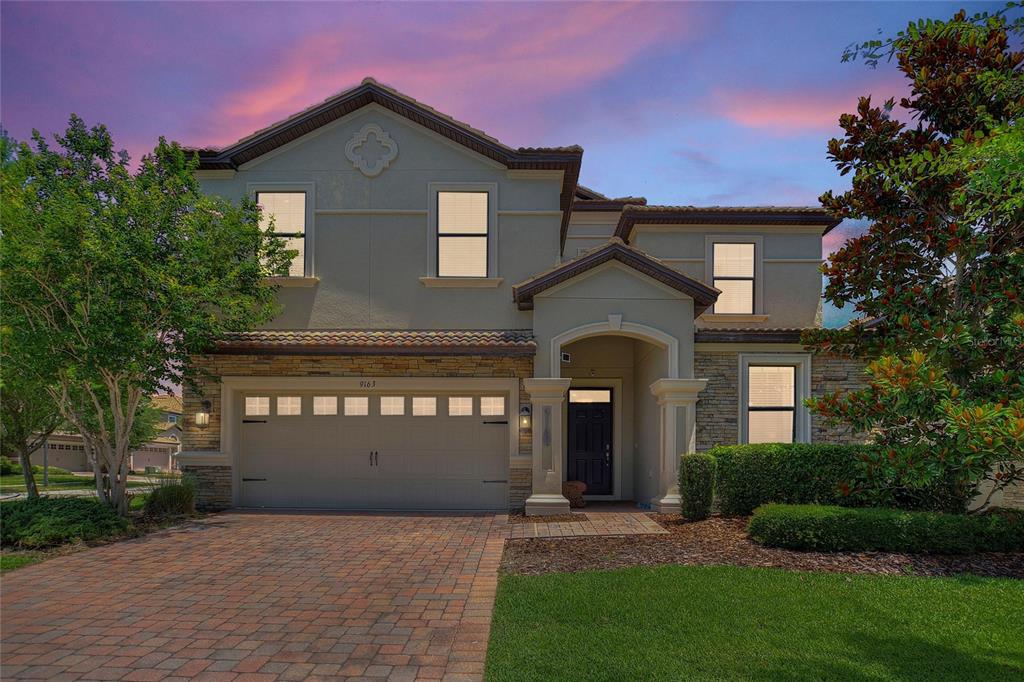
{"points": [[338, 450]]}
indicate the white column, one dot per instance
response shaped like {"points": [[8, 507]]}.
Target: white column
{"points": [[677, 401], [547, 397]]}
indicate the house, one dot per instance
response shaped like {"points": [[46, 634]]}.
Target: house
{"points": [[467, 327], [66, 451]]}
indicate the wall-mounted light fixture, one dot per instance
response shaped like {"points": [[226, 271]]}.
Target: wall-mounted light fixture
{"points": [[524, 417], [203, 415]]}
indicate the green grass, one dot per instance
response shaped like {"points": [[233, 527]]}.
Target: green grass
{"points": [[15, 483], [12, 560], [730, 623]]}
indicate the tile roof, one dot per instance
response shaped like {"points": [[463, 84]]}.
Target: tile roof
{"points": [[381, 342], [167, 402], [722, 215], [615, 249], [744, 335]]}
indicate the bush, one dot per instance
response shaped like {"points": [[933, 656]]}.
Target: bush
{"points": [[8, 467], [171, 497], [843, 529], [796, 473], [696, 485], [49, 521]]}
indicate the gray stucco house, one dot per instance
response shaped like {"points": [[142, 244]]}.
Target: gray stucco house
{"points": [[466, 327]]}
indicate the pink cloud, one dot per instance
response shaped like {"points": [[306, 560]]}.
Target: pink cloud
{"points": [[798, 111], [487, 63]]}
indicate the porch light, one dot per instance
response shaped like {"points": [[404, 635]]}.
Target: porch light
{"points": [[524, 417], [203, 415]]}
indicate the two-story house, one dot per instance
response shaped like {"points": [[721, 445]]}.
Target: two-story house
{"points": [[466, 327]]}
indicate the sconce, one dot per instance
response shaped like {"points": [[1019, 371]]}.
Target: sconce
{"points": [[524, 417], [203, 415]]}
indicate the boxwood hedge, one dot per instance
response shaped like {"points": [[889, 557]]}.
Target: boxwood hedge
{"points": [[827, 528], [696, 485]]}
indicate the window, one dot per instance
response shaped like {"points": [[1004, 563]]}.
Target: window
{"points": [[357, 406], [392, 405], [289, 405], [288, 209], [590, 395], [462, 233], [424, 406], [460, 406], [771, 404], [492, 406], [325, 404], [733, 274], [257, 406], [172, 419]]}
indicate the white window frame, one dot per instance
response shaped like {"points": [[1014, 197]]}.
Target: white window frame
{"points": [[277, 405], [325, 414], [422, 398], [489, 413], [472, 411], [802, 383], [709, 267], [309, 189], [260, 412], [380, 406], [365, 403], [491, 188]]}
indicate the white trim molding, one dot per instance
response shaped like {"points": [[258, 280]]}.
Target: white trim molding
{"points": [[614, 326], [801, 415], [462, 282]]}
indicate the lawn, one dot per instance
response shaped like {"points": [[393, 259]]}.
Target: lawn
{"points": [[15, 483], [725, 622], [12, 560]]}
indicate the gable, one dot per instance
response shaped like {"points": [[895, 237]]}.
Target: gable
{"points": [[612, 280]]}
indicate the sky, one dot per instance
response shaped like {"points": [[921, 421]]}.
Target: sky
{"points": [[683, 103]]}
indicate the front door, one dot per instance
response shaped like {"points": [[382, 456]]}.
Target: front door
{"points": [[590, 439]]}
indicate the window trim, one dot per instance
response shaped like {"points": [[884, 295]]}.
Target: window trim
{"points": [[801, 383], [709, 269], [433, 235], [252, 189]]}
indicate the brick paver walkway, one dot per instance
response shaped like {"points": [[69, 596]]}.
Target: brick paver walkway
{"points": [[600, 523], [253, 596]]}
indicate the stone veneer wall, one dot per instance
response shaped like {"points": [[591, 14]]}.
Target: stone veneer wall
{"points": [[215, 485], [718, 407]]}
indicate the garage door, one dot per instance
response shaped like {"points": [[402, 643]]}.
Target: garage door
{"points": [[337, 450]]}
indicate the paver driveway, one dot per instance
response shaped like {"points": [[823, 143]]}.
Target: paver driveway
{"points": [[263, 596]]}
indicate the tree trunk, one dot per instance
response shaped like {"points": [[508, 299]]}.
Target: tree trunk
{"points": [[25, 457]]}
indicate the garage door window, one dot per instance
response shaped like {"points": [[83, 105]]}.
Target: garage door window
{"points": [[424, 406], [325, 405], [460, 406], [492, 406], [392, 405], [257, 406], [289, 405], [357, 406]]}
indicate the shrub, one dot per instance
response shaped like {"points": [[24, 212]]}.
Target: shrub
{"points": [[171, 497], [843, 529], [696, 485], [49, 521], [797, 473], [8, 467]]}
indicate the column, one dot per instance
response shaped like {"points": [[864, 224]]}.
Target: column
{"points": [[677, 402], [547, 397]]}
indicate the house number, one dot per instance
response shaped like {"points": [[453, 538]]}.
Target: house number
{"points": [[367, 384]]}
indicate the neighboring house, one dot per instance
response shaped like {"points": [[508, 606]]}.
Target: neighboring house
{"points": [[65, 450], [466, 327]]}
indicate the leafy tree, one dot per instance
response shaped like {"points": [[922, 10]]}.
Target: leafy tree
{"points": [[938, 276], [121, 277]]}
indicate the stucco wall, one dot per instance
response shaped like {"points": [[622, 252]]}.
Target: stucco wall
{"points": [[370, 236], [650, 366]]}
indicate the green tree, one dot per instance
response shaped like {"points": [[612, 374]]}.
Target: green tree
{"points": [[121, 276], [938, 276]]}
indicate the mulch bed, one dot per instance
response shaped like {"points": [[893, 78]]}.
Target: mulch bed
{"points": [[521, 517], [718, 541]]}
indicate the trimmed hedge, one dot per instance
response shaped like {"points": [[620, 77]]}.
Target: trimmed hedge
{"points": [[49, 521], [696, 485], [843, 529], [795, 473]]}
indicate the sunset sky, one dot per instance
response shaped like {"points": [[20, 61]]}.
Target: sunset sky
{"points": [[715, 103]]}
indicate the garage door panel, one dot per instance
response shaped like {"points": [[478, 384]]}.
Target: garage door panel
{"points": [[421, 462]]}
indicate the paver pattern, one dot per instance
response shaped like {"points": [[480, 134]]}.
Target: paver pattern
{"points": [[597, 523], [263, 596]]}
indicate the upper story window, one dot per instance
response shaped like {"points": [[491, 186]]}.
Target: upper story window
{"points": [[288, 210], [733, 274], [463, 231]]}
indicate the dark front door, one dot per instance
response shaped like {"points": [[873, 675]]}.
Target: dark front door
{"points": [[590, 439]]}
